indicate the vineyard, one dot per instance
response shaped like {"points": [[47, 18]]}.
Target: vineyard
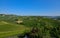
{"points": [[43, 27]]}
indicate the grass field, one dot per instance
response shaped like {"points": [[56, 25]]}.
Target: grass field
{"points": [[9, 29]]}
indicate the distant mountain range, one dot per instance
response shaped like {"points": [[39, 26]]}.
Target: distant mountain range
{"points": [[52, 17]]}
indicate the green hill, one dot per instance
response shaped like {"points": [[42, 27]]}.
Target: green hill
{"points": [[9, 29], [48, 27]]}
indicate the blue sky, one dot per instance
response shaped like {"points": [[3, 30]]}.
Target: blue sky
{"points": [[30, 7]]}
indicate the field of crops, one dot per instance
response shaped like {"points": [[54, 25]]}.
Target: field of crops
{"points": [[9, 29], [48, 28]]}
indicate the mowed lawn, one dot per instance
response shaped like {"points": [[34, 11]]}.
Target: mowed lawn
{"points": [[9, 29]]}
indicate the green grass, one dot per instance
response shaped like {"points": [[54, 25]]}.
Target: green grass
{"points": [[11, 29]]}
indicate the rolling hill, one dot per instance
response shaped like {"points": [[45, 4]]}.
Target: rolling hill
{"points": [[48, 28]]}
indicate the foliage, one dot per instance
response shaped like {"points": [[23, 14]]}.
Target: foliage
{"points": [[48, 28]]}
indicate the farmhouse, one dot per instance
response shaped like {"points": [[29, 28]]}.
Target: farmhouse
{"points": [[18, 21]]}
